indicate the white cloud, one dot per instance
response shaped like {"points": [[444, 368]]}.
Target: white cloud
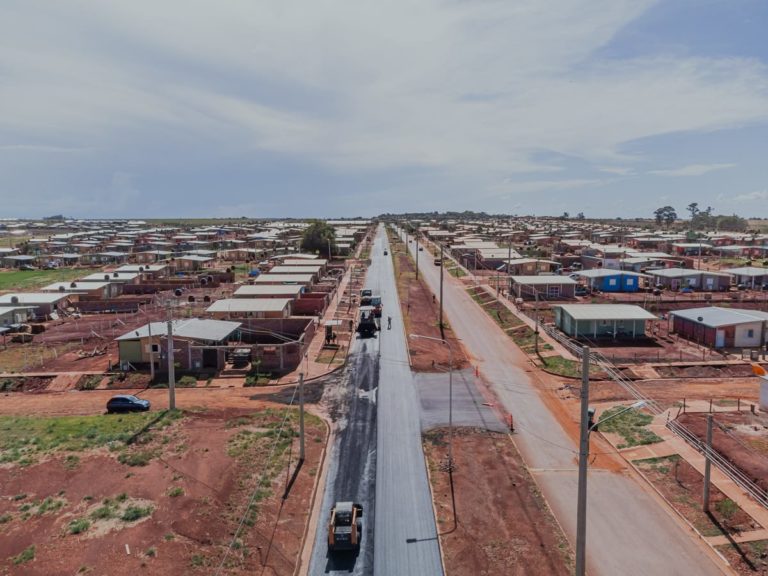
{"points": [[761, 195], [692, 170], [475, 89]]}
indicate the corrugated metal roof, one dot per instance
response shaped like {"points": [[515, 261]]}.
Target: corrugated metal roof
{"points": [[683, 273], [602, 272], [606, 312], [192, 328], [747, 271], [33, 298], [543, 280], [249, 305], [302, 269], [283, 279], [714, 316], [271, 289]]}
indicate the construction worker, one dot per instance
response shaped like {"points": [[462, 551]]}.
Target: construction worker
{"points": [[389, 322]]}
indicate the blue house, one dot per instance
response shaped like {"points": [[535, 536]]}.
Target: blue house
{"points": [[612, 280]]}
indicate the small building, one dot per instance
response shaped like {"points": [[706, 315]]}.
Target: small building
{"points": [[192, 262], [191, 337], [45, 303], [717, 327], [86, 290], [292, 291], [303, 279], [528, 266], [251, 308], [677, 278], [16, 314], [611, 280], [113, 277], [313, 269], [750, 276], [553, 286], [616, 321]]}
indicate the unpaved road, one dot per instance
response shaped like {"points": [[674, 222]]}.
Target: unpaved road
{"points": [[628, 533]]}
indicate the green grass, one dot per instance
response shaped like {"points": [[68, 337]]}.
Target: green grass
{"points": [[134, 513], [29, 279], [25, 556], [176, 491], [565, 367], [24, 437], [137, 458], [78, 526], [630, 426]]}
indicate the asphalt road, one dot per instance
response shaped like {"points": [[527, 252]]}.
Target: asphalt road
{"points": [[628, 532], [377, 458]]}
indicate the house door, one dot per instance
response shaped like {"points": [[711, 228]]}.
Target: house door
{"points": [[210, 358], [720, 339], [710, 282]]}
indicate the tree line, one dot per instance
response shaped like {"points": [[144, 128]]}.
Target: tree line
{"points": [[701, 219]]}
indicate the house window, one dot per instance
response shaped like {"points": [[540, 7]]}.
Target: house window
{"points": [[630, 281], [155, 348], [750, 333], [611, 281]]}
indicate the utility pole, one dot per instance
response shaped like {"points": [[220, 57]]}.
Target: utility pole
{"points": [[301, 416], [151, 352], [581, 509], [708, 463], [442, 330], [536, 320], [417, 257], [171, 366]]}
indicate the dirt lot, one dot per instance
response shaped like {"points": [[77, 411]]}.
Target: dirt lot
{"points": [[741, 437], [168, 504], [683, 486], [421, 313], [503, 525]]}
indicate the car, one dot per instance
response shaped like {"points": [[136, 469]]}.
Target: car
{"points": [[421, 249], [127, 403], [581, 291], [386, 253], [27, 267], [686, 290]]}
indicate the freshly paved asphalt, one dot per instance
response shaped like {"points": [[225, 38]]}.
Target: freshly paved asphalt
{"points": [[628, 532], [378, 451]]}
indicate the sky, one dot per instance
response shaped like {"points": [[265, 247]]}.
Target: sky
{"points": [[327, 108]]}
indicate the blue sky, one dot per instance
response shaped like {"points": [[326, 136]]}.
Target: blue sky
{"points": [[331, 108]]}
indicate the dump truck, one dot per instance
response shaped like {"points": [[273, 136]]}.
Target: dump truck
{"points": [[345, 528], [368, 323]]}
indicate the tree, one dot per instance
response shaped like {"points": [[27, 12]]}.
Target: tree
{"points": [[580, 216], [317, 236], [665, 215], [693, 208], [565, 216]]}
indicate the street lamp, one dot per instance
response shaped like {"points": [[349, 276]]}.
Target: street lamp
{"points": [[587, 425], [450, 394]]}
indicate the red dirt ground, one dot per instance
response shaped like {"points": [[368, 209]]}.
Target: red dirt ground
{"points": [[188, 533], [747, 432], [421, 315], [503, 524]]}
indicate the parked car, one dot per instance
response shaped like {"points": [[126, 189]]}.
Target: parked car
{"points": [[581, 291], [127, 403], [27, 267], [386, 253], [686, 290]]}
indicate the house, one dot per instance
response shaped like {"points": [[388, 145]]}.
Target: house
{"points": [[292, 291], [190, 338], [45, 303], [717, 327], [530, 287], [16, 314], [750, 276], [677, 278], [86, 290], [113, 277], [528, 266], [192, 262], [303, 279], [313, 269], [251, 308], [148, 271], [617, 321], [612, 280]]}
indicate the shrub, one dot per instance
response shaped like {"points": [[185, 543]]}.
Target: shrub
{"points": [[5, 518], [103, 513], [25, 555], [79, 525], [133, 513], [140, 458], [176, 491], [187, 382]]}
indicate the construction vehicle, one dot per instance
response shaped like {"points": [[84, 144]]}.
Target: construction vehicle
{"points": [[368, 323], [345, 528]]}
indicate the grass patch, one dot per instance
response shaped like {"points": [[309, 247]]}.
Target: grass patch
{"points": [[134, 513], [25, 555], [176, 491], [630, 426], [137, 457], [105, 512], [90, 382], [5, 518], [78, 526], [28, 279], [24, 436]]}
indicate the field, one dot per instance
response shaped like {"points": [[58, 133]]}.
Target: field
{"points": [[79, 497], [30, 279], [491, 518]]}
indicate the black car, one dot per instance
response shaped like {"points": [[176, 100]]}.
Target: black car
{"points": [[127, 403]]}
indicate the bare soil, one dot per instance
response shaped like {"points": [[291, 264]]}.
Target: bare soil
{"points": [[683, 486], [421, 312], [197, 489], [502, 525], [741, 437], [748, 558]]}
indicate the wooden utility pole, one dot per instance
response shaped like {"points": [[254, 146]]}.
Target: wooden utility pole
{"points": [[442, 330], [708, 463], [301, 417], [171, 363]]}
